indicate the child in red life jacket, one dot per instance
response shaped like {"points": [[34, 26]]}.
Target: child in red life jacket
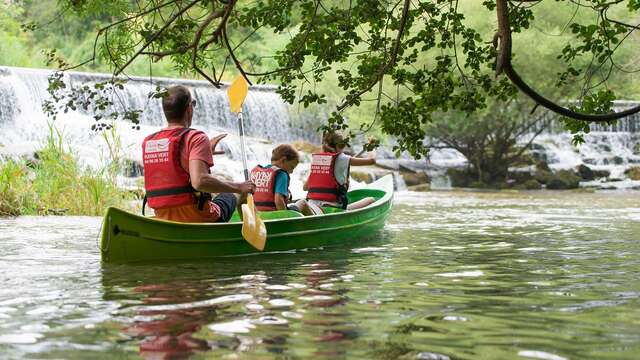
{"points": [[272, 181], [328, 181]]}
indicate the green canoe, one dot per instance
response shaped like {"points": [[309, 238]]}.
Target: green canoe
{"points": [[128, 238]]}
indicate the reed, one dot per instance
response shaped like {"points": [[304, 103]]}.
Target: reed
{"points": [[56, 183]]}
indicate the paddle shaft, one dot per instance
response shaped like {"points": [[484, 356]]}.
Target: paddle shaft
{"points": [[243, 146]]}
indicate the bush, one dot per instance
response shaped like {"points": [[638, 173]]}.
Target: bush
{"points": [[460, 177], [532, 185], [15, 188], [633, 173], [56, 184], [543, 176]]}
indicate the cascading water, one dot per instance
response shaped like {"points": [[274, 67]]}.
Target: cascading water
{"points": [[610, 149], [25, 127]]}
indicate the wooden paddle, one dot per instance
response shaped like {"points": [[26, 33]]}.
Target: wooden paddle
{"points": [[253, 229]]}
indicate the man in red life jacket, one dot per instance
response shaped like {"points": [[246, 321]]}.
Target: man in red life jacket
{"points": [[176, 168], [328, 181], [272, 181]]}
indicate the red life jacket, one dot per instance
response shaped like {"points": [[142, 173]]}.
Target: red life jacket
{"points": [[322, 183], [166, 183], [265, 180]]}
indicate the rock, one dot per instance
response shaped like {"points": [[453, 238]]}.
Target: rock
{"points": [[562, 180], [222, 176], [615, 179], [419, 188], [585, 172], [618, 160], [306, 147], [601, 173], [412, 179], [633, 173], [361, 176], [132, 168]]}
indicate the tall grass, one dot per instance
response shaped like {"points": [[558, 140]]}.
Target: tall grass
{"points": [[57, 184]]}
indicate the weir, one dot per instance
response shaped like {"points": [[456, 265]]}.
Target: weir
{"points": [[26, 127], [268, 122]]}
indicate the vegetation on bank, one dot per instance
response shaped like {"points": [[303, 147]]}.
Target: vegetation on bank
{"points": [[56, 183]]}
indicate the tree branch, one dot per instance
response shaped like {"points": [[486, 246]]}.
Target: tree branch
{"points": [[503, 65], [155, 36], [388, 65]]}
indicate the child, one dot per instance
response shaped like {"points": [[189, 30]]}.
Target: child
{"points": [[272, 181], [328, 181]]}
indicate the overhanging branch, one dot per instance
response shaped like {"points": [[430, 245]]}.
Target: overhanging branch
{"points": [[503, 42]]}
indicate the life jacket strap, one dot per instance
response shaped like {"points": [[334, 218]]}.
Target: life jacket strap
{"points": [[324, 191], [203, 197], [144, 203], [265, 203], [170, 191]]}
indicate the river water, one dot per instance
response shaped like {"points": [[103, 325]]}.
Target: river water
{"points": [[454, 275]]}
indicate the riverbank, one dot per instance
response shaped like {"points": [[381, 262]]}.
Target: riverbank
{"points": [[54, 182]]}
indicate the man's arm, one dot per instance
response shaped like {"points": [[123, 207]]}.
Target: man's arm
{"points": [[201, 180], [281, 201]]}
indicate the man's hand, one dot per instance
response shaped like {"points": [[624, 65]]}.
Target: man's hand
{"points": [[246, 187], [214, 142]]}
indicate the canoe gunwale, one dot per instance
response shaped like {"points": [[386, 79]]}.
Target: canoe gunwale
{"points": [[240, 238]]}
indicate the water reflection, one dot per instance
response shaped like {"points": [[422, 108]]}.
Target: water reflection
{"points": [[239, 304]]}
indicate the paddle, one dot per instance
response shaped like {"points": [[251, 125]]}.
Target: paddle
{"points": [[253, 229]]}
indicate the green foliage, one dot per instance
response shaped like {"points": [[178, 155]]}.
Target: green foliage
{"points": [[56, 183], [14, 44]]}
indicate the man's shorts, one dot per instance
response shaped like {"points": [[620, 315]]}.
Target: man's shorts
{"points": [[226, 204]]}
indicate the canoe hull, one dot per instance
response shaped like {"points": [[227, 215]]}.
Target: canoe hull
{"points": [[128, 238]]}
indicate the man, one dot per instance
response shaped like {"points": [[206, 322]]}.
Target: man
{"points": [[272, 181], [176, 168]]}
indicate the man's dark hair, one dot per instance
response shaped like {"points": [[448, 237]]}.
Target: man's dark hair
{"points": [[176, 102]]}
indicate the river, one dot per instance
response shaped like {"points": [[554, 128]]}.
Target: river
{"points": [[454, 275]]}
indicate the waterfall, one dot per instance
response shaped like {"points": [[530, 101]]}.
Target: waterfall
{"points": [[25, 127]]}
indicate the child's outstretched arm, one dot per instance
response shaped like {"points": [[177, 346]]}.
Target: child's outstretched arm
{"points": [[369, 160]]}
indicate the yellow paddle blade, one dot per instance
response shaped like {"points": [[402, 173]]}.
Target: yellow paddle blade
{"points": [[237, 92], [253, 229]]}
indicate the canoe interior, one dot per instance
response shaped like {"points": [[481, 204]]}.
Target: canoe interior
{"points": [[353, 196], [129, 238]]}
